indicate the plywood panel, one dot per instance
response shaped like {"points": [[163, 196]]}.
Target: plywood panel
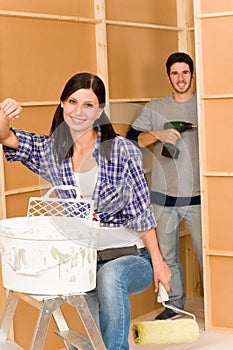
{"points": [[18, 176], [63, 7], [144, 302], [17, 204], [146, 11], [220, 194], [219, 141], [41, 55], [34, 119], [189, 14], [217, 52], [216, 6], [221, 291], [191, 45], [137, 62]]}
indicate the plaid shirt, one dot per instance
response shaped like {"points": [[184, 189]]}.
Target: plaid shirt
{"points": [[121, 195]]}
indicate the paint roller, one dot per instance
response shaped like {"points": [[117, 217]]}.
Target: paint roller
{"points": [[161, 332]]}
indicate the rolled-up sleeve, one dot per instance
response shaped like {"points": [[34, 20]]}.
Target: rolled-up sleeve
{"points": [[24, 149], [31, 150]]}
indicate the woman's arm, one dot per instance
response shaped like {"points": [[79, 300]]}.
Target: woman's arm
{"points": [[161, 271], [9, 110]]}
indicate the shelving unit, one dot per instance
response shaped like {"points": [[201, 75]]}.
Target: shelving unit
{"points": [[214, 54]]}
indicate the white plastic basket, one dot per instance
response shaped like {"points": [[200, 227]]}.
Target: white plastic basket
{"points": [[48, 252]]}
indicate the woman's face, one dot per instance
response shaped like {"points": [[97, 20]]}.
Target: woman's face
{"points": [[81, 109]]}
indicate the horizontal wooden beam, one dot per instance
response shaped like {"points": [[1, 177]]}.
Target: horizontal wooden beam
{"points": [[224, 253], [143, 25], [215, 14], [39, 103], [46, 16], [216, 96], [117, 100], [218, 174], [26, 190]]}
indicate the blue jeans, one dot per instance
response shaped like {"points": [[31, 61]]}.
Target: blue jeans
{"points": [[168, 233], [109, 302]]}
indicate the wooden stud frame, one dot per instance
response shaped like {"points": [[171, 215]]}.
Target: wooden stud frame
{"points": [[215, 318]]}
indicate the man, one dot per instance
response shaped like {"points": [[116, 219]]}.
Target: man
{"points": [[175, 186]]}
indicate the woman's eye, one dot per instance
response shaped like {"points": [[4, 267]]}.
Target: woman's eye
{"points": [[88, 105], [72, 101]]}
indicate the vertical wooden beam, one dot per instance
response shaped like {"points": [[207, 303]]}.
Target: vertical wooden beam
{"points": [[2, 188], [202, 157], [101, 44], [181, 6]]}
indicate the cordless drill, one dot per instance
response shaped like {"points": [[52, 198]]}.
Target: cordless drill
{"points": [[170, 150]]}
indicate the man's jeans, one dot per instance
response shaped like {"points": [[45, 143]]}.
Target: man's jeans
{"points": [[109, 302], [168, 233]]}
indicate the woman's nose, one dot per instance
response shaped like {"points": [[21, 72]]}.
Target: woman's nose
{"points": [[78, 110]]}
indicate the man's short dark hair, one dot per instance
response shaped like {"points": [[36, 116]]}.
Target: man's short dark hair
{"points": [[179, 57]]}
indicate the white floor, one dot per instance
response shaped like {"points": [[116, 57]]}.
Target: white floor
{"points": [[206, 340]]}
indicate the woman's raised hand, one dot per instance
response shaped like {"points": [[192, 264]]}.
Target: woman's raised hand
{"points": [[10, 109]]}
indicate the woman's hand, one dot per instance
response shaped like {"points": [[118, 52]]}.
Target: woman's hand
{"points": [[162, 274], [10, 109]]}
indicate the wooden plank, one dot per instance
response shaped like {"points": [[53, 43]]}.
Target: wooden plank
{"points": [[181, 22], [202, 46], [48, 16], [2, 188], [215, 14], [216, 96], [145, 25], [101, 44], [26, 190]]}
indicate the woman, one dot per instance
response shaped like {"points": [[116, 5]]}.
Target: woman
{"points": [[83, 145]]}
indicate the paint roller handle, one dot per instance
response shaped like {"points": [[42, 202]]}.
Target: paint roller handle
{"points": [[163, 297], [162, 294]]}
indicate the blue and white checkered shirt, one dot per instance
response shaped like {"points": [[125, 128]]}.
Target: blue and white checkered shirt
{"points": [[121, 196]]}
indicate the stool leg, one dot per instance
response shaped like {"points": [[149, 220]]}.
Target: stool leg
{"points": [[48, 306], [8, 315], [62, 325], [80, 304]]}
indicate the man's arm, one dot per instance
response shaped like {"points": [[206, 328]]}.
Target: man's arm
{"points": [[147, 138], [133, 134], [142, 138]]}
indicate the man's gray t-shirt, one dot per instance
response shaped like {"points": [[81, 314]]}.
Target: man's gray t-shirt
{"points": [[173, 177]]}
